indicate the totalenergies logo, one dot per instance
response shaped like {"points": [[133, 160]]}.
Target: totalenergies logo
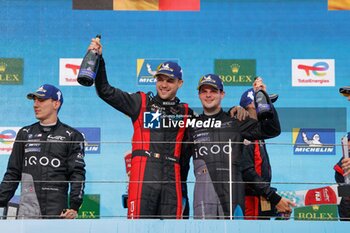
{"points": [[313, 72], [318, 69], [7, 136]]}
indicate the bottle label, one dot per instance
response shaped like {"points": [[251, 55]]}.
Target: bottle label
{"points": [[87, 73], [263, 107]]}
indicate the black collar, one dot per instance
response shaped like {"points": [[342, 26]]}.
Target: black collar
{"points": [[162, 102], [212, 116], [49, 128]]}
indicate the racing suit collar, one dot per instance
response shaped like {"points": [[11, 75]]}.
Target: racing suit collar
{"points": [[166, 102], [212, 116], [217, 115], [48, 128]]}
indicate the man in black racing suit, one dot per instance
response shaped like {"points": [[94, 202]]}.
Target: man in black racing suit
{"points": [[155, 189], [45, 164], [211, 153]]}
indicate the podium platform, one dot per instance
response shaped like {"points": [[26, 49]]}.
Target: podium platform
{"points": [[170, 226]]}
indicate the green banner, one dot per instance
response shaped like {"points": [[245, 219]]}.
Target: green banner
{"points": [[90, 209], [317, 212], [236, 72], [11, 71]]}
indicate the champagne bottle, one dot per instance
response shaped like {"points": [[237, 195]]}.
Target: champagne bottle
{"points": [[89, 67], [344, 188], [345, 147], [263, 105]]}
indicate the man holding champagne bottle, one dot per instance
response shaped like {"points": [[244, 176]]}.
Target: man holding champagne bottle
{"points": [[155, 188], [342, 168], [260, 198]]}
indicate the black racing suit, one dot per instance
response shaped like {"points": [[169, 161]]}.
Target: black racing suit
{"points": [[261, 198], [154, 189], [43, 162], [344, 206], [211, 162]]}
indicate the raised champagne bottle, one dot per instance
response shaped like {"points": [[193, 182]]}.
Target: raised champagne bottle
{"points": [[89, 67], [263, 105]]}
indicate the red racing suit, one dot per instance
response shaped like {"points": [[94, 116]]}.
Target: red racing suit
{"points": [[155, 181], [344, 206], [261, 198]]}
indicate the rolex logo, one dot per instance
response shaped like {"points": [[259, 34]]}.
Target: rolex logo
{"points": [[235, 68], [2, 66], [11, 70], [315, 207]]}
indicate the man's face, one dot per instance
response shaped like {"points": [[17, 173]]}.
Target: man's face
{"points": [[210, 98], [46, 109], [167, 87]]}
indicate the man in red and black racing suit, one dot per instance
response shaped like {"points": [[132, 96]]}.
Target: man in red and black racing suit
{"points": [[343, 168], [154, 189], [261, 199]]}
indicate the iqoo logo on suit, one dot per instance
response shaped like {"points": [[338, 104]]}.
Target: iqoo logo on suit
{"points": [[11, 71], [236, 72]]}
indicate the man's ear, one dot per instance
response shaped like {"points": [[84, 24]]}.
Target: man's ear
{"points": [[57, 104], [180, 82], [222, 94]]}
